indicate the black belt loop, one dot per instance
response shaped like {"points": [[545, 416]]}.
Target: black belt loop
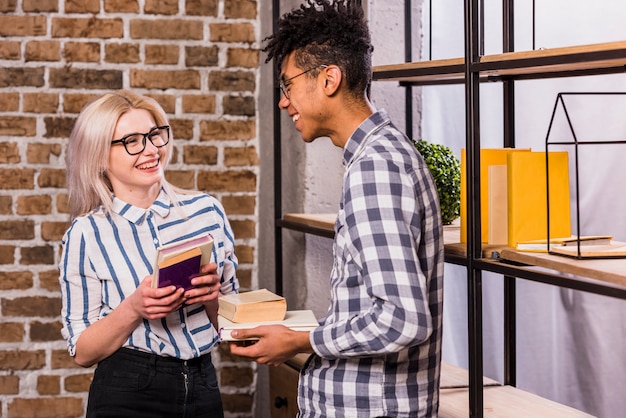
{"points": [[153, 368]]}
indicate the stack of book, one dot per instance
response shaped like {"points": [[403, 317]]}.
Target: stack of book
{"points": [[259, 307]]}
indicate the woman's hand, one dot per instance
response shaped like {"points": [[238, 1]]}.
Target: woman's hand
{"points": [[155, 303], [206, 286]]}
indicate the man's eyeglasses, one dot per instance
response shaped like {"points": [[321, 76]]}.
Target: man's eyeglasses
{"points": [[284, 84], [135, 143]]}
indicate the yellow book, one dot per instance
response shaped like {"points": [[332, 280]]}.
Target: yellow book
{"points": [[488, 157], [527, 196], [498, 213]]}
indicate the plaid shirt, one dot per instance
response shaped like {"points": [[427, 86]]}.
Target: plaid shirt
{"points": [[105, 257], [378, 351]]}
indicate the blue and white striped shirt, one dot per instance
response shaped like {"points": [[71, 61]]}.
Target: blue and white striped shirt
{"points": [[106, 256], [378, 350]]}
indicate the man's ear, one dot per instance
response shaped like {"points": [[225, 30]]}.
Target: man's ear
{"points": [[332, 77]]}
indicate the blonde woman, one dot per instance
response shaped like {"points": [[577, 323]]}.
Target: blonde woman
{"points": [[152, 345]]}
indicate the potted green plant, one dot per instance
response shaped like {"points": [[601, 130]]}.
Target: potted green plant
{"points": [[446, 171]]}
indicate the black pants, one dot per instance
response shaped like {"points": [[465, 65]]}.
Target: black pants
{"points": [[134, 384]]}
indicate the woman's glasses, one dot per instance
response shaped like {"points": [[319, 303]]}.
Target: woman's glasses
{"points": [[135, 143]]}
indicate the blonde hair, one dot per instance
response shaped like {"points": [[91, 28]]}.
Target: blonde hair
{"points": [[87, 156]]}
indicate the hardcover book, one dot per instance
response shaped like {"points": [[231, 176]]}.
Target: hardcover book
{"points": [[541, 245], [488, 157], [255, 305], [527, 196], [179, 262], [302, 320], [613, 250]]}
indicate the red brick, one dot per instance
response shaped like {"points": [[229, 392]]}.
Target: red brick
{"points": [[9, 385], [48, 385], [10, 50], [42, 51], [35, 306], [158, 79], [204, 103], [18, 126], [41, 102], [232, 81], [51, 177], [78, 383], [243, 228], [7, 254], [162, 54], [240, 156], [122, 53], [22, 77], [40, 6], [242, 57], [34, 205], [240, 9], [121, 6], [201, 56], [227, 129], [86, 78], [82, 52], [232, 32], [15, 178], [9, 102], [227, 181], [9, 153], [167, 29], [239, 205], [42, 153], [22, 360], [82, 6], [66, 27], [45, 331], [11, 332], [11, 25], [161, 7], [194, 154], [57, 407], [201, 7]]}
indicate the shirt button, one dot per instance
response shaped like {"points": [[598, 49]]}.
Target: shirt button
{"points": [[156, 241], [183, 325]]}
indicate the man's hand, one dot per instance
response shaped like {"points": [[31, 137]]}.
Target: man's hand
{"points": [[276, 344]]}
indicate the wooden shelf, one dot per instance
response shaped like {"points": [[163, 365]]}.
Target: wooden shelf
{"points": [[322, 224], [606, 270], [504, 401], [604, 58], [499, 401], [423, 72], [452, 376], [455, 377], [606, 277]]}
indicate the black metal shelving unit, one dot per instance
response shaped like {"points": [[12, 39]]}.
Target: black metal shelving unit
{"points": [[472, 70]]}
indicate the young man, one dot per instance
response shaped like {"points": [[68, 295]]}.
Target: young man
{"points": [[378, 351]]}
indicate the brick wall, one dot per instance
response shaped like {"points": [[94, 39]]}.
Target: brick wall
{"points": [[199, 59]]}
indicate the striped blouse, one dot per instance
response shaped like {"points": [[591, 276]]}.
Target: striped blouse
{"points": [[106, 256]]}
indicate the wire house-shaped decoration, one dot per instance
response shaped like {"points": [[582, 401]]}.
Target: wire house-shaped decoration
{"points": [[600, 120]]}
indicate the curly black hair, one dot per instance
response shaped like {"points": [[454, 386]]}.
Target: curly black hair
{"points": [[325, 32]]}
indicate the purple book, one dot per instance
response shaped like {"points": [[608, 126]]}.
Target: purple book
{"points": [[180, 273]]}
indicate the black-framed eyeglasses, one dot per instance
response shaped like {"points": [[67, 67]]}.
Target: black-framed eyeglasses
{"points": [[135, 143], [284, 84]]}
